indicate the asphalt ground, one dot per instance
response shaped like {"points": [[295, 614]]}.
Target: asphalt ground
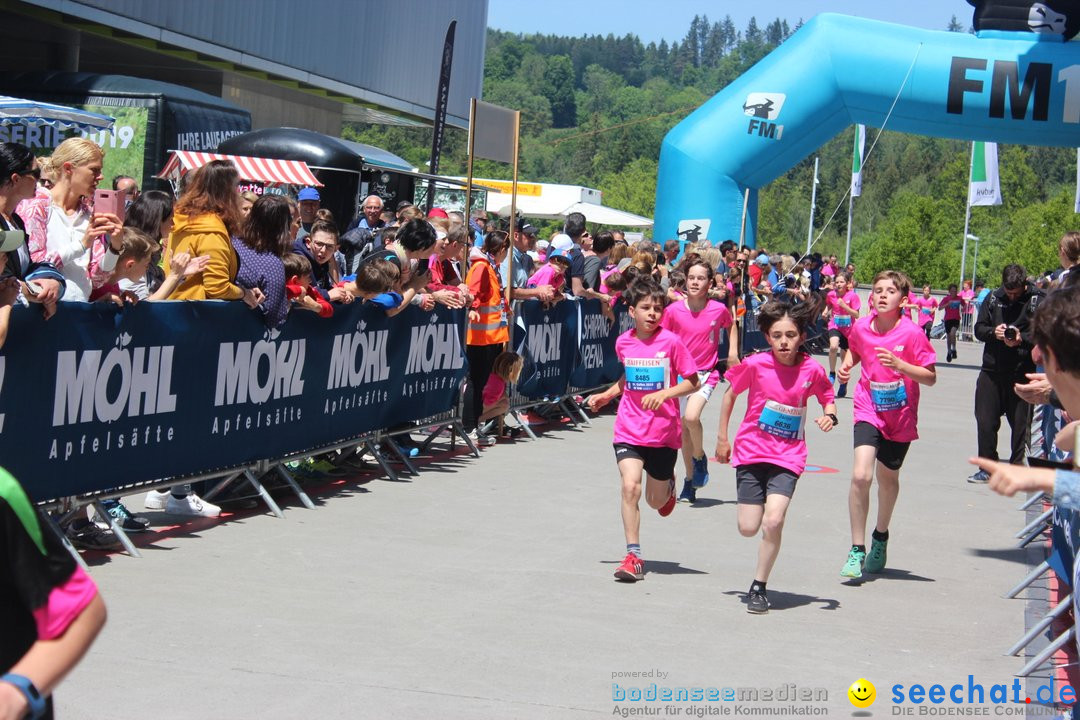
{"points": [[483, 588]]}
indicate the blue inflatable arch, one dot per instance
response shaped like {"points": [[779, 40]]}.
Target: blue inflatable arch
{"points": [[1009, 87]]}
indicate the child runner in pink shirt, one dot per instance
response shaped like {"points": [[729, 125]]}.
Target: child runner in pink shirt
{"points": [[705, 326], [953, 305], [770, 449], [842, 305], [896, 358], [927, 309], [647, 436]]}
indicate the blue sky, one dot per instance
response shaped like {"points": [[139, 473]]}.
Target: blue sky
{"points": [[653, 21]]}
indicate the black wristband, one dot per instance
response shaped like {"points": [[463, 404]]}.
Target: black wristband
{"points": [[832, 416]]}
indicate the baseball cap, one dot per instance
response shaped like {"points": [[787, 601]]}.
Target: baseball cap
{"points": [[762, 259], [542, 244], [11, 239], [557, 254], [562, 241], [308, 193], [437, 212], [529, 229]]}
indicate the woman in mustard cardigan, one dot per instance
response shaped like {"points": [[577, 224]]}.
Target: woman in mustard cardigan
{"points": [[205, 219]]}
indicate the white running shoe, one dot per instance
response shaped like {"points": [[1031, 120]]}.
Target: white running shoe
{"points": [[191, 505], [156, 499]]}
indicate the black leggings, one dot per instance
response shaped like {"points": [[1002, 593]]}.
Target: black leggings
{"points": [[481, 360]]}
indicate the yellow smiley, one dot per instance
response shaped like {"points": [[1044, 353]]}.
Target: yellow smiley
{"points": [[862, 693]]}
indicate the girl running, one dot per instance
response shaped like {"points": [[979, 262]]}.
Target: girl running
{"points": [[842, 304], [705, 326], [896, 358], [927, 309], [647, 424], [770, 450], [954, 306]]}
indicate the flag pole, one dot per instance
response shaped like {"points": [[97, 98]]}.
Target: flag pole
{"points": [[468, 180], [847, 246], [967, 217], [813, 206], [513, 213]]}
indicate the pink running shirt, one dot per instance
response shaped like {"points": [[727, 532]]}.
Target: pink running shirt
{"points": [[701, 332], [953, 305], [927, 308], [651, 365], [494, 389], [852, 299], [886, 399], [547, 275], [773, 430]]}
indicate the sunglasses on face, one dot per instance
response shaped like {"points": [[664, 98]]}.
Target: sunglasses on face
{"points": [[34, 173]]}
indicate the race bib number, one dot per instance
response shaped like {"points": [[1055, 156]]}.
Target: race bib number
{"points": [[782, 421], [926, 310], [955, 305], [646, 374], [888, 395], [843, 321]]}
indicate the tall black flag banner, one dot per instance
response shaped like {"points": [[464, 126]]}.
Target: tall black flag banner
{"points": [[441, 99]]}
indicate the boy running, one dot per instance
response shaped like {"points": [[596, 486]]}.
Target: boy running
{"points": [[647, 426], [896, 358]]}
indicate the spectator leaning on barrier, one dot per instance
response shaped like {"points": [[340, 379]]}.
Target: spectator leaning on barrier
{"points": [[362, 235], [319, 247], [63, 227], [18, 175], [204, 220], [524, 266], [1004, 325], [488, 328], [262, 243]]}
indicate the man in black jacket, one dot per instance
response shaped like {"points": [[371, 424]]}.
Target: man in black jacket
{"points": [[1004, 325]]}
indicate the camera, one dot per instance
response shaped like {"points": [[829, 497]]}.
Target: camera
{"points": [[1011, 333], [789, 280]]}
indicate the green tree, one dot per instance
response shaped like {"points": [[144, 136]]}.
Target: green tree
{"points": [[559, 91]]}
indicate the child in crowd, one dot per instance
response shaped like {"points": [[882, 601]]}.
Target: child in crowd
{"points": [[377, 281], [677, 286], [954, 306], [896, 358], [647, 427], [705, 326], [842, 306], [506, 369], [553, 272], [298, 286], [613, 285], [770, 448], [927, 309]]}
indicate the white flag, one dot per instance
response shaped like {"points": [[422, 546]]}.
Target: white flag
{"points": [[984, 188], [856, 160], [1078, 180]]}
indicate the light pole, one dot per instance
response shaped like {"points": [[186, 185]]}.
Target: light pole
{"points": [[975, 263]]}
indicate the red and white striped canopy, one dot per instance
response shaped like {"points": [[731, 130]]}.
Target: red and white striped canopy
{"points": [[267, 170]]}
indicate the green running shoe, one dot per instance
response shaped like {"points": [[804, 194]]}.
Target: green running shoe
{"points": [[875, 559], [854, 565]]}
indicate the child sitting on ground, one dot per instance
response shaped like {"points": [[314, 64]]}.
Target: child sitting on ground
{"points": [[553, 272], [298, 286], [506, 369]]}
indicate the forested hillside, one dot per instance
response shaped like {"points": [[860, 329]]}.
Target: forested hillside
{"points": [[595, 110]]}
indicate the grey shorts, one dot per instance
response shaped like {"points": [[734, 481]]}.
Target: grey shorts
{"points": [[756, 481]]}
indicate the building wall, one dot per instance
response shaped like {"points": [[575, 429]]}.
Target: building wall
{"points": [[384, 53]]}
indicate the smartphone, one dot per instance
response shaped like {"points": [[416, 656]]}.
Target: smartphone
{"points": [[110, 201], [33, 288]]}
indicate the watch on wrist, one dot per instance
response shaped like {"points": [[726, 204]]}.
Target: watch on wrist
{"points": [[832, 416], [26, 686]]}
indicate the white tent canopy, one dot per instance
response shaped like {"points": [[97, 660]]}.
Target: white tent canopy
{"points": [[550, 201]]}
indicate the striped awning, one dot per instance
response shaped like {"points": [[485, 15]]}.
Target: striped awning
{"points": [[266, 170]]}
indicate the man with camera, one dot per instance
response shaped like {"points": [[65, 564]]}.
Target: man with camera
{"points": [[1004, 326]]}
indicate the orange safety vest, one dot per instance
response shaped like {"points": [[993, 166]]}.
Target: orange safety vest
{"points": [[491, 328]]}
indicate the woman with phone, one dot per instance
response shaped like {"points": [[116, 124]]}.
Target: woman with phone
{"points": [[65, 229], [40, 282]]}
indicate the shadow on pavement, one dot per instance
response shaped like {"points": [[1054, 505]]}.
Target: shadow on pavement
{"points": [[888, 574], [780, 600], [710, 502], [662, 567], [1014, 554]]}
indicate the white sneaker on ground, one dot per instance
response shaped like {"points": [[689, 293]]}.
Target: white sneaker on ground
{"points": [[481, 439], [191, 505], [156, 499]]}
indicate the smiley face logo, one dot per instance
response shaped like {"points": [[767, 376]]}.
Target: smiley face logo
{"points": [[862, 693]]}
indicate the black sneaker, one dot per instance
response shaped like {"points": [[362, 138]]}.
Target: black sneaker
{"points": [[85, 535], [127, 521], [757, 602]]}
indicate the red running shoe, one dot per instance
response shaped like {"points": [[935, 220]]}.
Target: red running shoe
{"points": [[667, 507], [632, 569]]}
